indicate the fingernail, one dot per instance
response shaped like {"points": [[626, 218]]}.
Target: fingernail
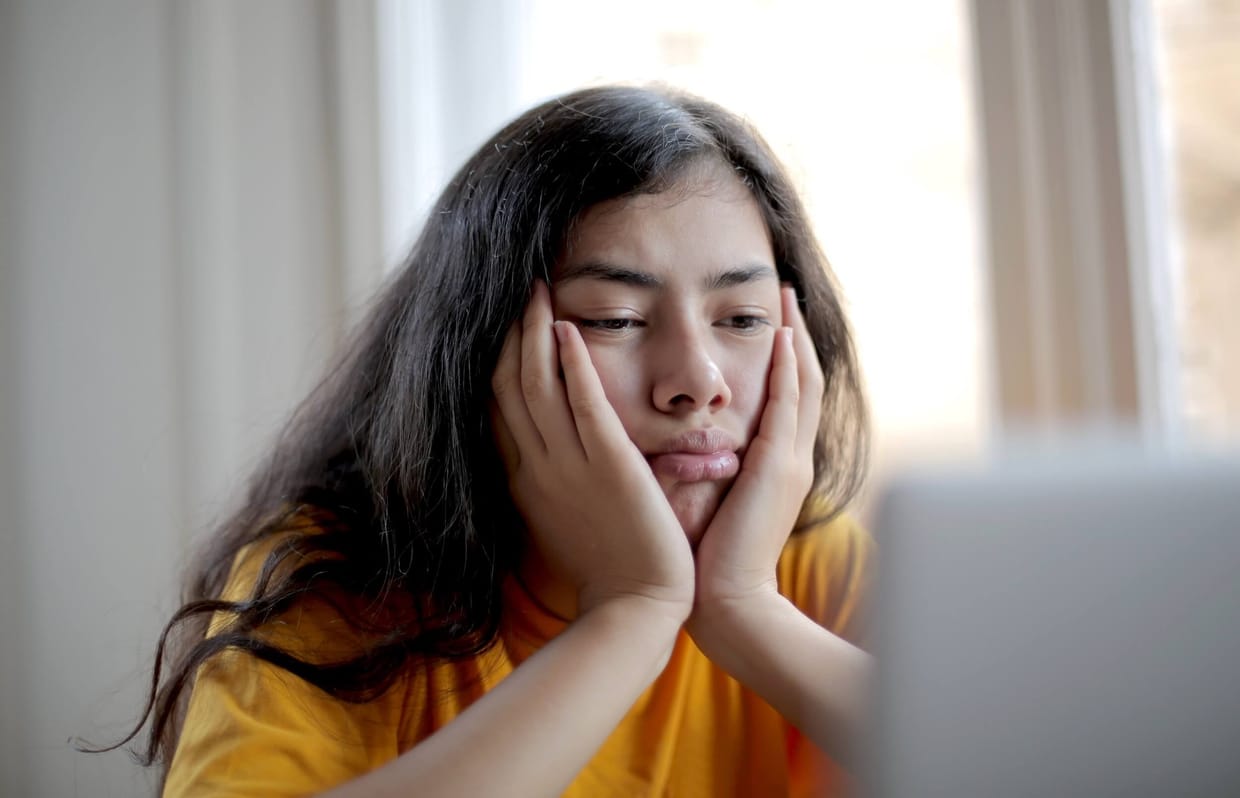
{"points": [[561, 330]]}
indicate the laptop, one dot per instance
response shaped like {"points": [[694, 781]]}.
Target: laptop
{"points": [[1059, 626]]}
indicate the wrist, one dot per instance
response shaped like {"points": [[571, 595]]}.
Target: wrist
{"points": [[733, 596], [659, 613], [725, 619], [649, 624]]}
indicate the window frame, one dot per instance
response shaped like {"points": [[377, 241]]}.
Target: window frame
{"points": [[1075, 239]]}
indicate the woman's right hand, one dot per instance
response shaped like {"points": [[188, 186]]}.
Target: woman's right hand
{"points": [[594, 510]]}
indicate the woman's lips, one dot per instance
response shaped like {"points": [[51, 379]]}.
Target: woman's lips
{"points": [[702, 455], [695, 466]]}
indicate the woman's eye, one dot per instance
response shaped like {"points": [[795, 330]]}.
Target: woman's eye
{"points": [[745, 322], [610, 325]]}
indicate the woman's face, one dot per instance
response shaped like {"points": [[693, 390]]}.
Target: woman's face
{"points": [[677, 297]]}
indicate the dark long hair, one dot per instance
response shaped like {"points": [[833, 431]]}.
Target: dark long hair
{"points": [[385, 484]]}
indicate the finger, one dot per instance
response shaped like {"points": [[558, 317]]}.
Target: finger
{"points": [[778, 427], [506, 386], [540, 381], [809, 375], [596, 420]]}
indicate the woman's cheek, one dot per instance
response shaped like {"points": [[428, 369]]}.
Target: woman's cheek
{"points": [[749, 374], [618, 375], [749, 403]]}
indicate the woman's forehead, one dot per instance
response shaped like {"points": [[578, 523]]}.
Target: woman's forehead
{"points": [[699, 225], [700, 178]]}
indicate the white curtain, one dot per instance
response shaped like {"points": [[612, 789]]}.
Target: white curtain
{"points": [[450, 76], [191, 208]]}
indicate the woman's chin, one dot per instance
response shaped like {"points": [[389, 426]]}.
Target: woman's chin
{"points": [[695, 504]]}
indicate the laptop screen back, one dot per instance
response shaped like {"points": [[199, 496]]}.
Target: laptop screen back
{"points": [[1065, 628]]}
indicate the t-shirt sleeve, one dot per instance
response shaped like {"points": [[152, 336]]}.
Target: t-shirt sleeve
{"points": [[254, 729], [828, 571]]}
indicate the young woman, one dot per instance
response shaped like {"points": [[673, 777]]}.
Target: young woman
{"points": [[564, 517]]}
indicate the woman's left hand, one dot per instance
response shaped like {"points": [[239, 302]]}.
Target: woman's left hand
{"points": [[737, 556]]}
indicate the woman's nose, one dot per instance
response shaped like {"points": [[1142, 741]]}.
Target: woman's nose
{"points": [[688, 377]]}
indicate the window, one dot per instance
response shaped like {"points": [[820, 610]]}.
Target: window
{"points": [[1197, 52]]}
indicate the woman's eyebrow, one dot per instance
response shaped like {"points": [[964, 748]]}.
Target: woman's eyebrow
{"points": [[740, 276], [602, 270]]}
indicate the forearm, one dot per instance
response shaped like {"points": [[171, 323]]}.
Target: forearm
{"points": [[535, 731], [817, 680]]}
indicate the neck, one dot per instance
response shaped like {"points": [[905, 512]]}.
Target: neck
{"points": [[554, 594]]}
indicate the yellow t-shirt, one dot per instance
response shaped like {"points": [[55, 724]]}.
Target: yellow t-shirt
{"points": [[253, 729]]}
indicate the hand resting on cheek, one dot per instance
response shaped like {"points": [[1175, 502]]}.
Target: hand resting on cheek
{"points": [[594, 510]]}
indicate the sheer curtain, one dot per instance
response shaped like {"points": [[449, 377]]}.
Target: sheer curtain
{"points": [[449, 76], [191, 202]]}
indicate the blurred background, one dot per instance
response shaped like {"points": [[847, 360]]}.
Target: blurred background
{"points": [[1033, 208]]}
